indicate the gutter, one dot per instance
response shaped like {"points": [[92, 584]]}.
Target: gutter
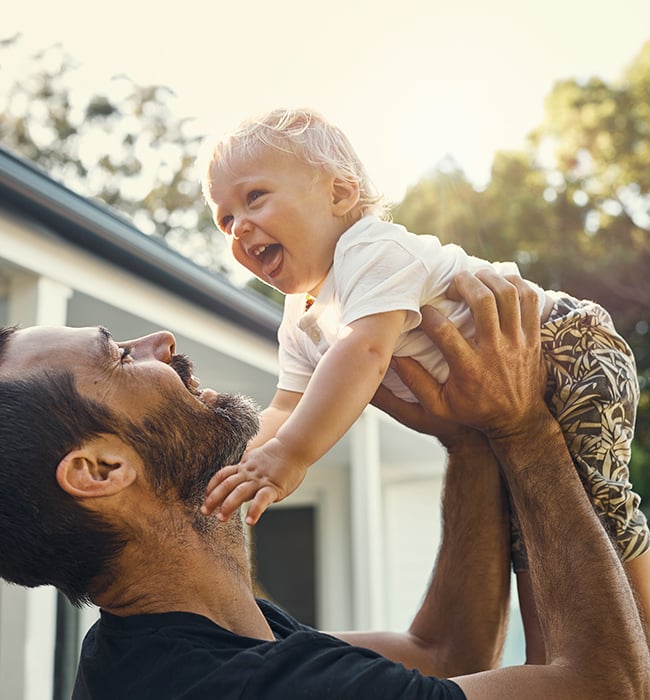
{"points": [[102, 231]]}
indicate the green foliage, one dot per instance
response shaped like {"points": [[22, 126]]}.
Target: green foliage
{"points": [[119, 143], [444, 202], [266, 291], [572, 209]]}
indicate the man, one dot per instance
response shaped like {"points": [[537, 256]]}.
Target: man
{"points": [[105, 451]]}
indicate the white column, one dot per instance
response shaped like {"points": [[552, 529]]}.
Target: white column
{"points": [[28, 616], [37, 301], [12, 624], [39, 643], [367, 523]]}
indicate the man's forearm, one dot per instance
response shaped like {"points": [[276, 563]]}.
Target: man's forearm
{"points": [[461, 623], [464, 614], [595, 645], [575, 571]]}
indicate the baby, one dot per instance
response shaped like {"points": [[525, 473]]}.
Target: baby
{"points": [[298, 209]]}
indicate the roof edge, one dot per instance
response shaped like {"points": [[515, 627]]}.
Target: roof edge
{"points": [[102, 231]]}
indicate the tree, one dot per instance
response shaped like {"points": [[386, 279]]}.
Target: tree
{"points": [[572, 208], [599, 139], [121, 143]]}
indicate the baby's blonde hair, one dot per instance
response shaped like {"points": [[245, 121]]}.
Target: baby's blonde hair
{"points": [[310, 138]]}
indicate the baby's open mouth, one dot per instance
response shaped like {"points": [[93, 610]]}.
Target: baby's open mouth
{"points": [[270, 256]]}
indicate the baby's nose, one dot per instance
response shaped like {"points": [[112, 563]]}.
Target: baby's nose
{"points": [[240, 228]]}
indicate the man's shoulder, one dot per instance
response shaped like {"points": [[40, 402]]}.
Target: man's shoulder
{"points": [[186, 655], [179, 654]]}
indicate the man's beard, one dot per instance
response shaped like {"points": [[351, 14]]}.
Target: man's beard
{"points": [[183, 444]]}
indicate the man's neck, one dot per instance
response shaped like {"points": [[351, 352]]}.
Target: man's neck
{"points": [[212, 580]]}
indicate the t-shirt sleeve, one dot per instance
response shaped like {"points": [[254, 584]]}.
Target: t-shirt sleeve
{"points": [[378, 276], [182, 655], [319, 667]]}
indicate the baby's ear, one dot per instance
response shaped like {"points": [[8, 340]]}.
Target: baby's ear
{"points": [[102, 466], [345, 196]]}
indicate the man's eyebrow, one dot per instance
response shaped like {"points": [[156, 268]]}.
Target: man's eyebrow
{"points": [[105, 340]]}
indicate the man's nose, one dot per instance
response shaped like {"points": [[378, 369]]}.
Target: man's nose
{"points": [[160, 345]]}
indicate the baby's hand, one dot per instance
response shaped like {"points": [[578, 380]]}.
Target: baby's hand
{"points": [[265, 475]]}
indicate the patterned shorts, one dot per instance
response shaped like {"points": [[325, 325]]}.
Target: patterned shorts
{"points": [[593, 391]]}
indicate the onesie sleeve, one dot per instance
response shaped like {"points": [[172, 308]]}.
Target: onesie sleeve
{"points": [[296, 363], [378, 276]]}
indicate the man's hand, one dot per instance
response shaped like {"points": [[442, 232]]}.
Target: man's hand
{"points": [[496, 380], [453, 436]]}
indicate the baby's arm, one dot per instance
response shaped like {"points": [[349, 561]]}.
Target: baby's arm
{"points": [[273, 417], [345, 380]]}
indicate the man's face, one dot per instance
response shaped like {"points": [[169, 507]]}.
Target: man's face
{"points": [[182, 434]]}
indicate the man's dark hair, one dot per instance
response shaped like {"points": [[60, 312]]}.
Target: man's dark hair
{"points": [[46, 536]]}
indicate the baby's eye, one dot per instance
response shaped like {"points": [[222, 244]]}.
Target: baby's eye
{"points": [[253, 195], [225, 224]]}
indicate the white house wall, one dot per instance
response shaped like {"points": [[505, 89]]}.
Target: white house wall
{"points": [[50, 257]]}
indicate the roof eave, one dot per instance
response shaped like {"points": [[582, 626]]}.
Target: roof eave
{"points": [[102, 231]]}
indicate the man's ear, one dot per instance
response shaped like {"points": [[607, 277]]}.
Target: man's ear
{"points": [[345, 196], [102, 466]]}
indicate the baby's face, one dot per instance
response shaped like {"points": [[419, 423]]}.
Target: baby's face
{"points": [[281, 218]]}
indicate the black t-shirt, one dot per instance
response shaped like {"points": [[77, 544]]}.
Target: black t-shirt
{"points": [[180, 655]]}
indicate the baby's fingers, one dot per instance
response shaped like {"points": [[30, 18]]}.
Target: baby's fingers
{"points": [[236, 498], [221, 476], [263, 499], [219, 492]]}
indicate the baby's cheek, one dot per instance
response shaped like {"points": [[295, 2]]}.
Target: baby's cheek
{"points": [[240, 256]]}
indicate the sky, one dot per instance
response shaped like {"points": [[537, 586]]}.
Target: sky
{"points": [[409, 81]]}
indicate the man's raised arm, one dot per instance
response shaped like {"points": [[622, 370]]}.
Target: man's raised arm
{"points": [[461, 623], [594, 639]]}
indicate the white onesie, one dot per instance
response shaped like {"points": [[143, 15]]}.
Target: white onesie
{"points": [[379, 266]]}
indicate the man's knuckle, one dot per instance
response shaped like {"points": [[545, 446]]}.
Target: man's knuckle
{"points": [[483, 298]]}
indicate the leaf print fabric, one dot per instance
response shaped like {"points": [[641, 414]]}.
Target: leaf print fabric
{"points": [[593, 392]]}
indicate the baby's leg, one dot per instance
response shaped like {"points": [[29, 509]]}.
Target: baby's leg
{"points": [[593, 392]]}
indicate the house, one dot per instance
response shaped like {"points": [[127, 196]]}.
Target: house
{"points": [[352, 548]]}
